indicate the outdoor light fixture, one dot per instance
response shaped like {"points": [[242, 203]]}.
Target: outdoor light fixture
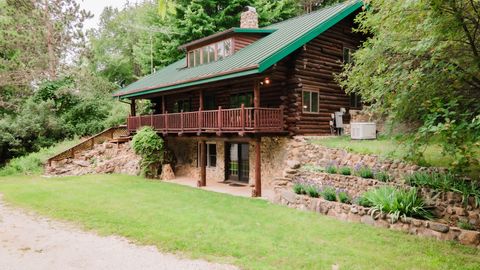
{"points": [[267, 80]]}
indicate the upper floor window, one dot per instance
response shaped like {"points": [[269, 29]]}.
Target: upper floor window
{"points": [[210, 53], [347, 55], [310, 101]]}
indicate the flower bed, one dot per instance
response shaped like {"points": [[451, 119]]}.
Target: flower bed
{"points": [[360, 214], [447, 207]]}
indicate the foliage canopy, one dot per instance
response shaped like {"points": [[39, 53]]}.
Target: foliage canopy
{"points": [[421, 66]]}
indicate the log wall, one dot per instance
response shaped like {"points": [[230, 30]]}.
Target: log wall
{"points": [[314, 67], [311, 67]]}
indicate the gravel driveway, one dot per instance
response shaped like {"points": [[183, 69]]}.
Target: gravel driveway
{"points": [[28, 241]]}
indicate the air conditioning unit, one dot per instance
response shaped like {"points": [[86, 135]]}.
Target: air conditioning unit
{"points": [[363, 131]]}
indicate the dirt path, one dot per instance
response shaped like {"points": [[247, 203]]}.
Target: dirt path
{"points": [[30, 242]]}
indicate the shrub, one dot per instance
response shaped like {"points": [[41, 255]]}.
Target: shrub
{"points": [[312, 168], [329, 194], [396, 202], [362, 201], [365, 172], [382, 177], [312, 191], [343, 197], [345, 171], [446, 182], [33, 163], [299, 188], [465, 225], [331, 169], [149, 146]]}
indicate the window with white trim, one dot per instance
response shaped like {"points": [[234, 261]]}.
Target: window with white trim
{"points": [[310, 101], [211, 154], [210, 53]]}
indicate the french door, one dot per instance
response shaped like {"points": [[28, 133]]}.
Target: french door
{"points": [[237, 161]]}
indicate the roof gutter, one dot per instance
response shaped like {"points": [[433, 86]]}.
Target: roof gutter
{"points": [[233, 73]]}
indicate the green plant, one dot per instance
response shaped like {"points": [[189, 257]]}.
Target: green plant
{"points": [[465, 225], [329, 194], [382, 176], [343, 197], [362, 201], [345, 171], [312, 168], [331, 169], [396, 202], [365, 172], [312, 191], [298, 188], [446, 182], [149, 146]]}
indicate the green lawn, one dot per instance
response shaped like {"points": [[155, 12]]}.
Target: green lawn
{"points": [[250, 233], [33, 162], [384, 147]]}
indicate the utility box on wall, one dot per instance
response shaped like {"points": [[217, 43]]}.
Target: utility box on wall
{"points": [[363, 131]]}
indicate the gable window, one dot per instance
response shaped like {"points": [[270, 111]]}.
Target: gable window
{"points": [[197, 57], [191, 58], [210, 53], [310, 101]]}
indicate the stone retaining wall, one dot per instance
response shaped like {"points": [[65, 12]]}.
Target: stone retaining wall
{"points": [[447, 207], [301, 151], [359, 214]]}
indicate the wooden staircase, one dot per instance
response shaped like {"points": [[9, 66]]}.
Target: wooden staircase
{"points": [[117, 135]]}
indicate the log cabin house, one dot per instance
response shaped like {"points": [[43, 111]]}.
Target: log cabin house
{"points": [[227, 108]]}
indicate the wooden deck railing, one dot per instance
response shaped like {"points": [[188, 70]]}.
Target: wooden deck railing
{"points": [[249, 120]]}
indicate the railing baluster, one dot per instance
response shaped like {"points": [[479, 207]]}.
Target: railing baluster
{"points": [[219, 118]]}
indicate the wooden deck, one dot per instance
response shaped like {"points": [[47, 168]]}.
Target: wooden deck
{"points": [[240, 120]]}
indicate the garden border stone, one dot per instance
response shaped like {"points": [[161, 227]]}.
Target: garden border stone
{"points": [[359, 214]]}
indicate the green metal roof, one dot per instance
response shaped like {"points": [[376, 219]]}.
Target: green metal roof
{"points": [[255, 58]]}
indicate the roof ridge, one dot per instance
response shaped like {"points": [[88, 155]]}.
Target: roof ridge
{"points": [[312, 13]]}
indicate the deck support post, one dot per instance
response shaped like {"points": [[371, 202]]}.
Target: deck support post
{"points": [[258, 168], [163, 104], [200, 113], [133, 111], [256, 102], [203, 164]]}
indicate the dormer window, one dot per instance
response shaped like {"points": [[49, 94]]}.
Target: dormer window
{"points": [[210, 53]]}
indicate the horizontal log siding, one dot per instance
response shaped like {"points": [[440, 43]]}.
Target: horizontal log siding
{"points": [[270, 95], [242, 40], [315, 66]]}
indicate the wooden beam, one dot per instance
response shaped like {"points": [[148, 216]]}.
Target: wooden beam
{"points": [[163, 104], [201, 99], [256, 94], [133, 111], [203, 163], [258, 168]]}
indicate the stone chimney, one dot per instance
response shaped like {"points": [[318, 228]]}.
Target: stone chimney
{"points": [[249, 18]]}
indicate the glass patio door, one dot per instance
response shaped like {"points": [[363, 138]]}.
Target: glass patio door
{"points": [[238, 162]]}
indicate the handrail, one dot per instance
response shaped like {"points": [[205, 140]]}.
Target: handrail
{"points": [[88, 143], [243, 119]]}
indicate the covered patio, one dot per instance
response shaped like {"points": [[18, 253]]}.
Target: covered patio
{"points": [[226, 187]]}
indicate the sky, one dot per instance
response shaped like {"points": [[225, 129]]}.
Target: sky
{"points": [[96, 7]]}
